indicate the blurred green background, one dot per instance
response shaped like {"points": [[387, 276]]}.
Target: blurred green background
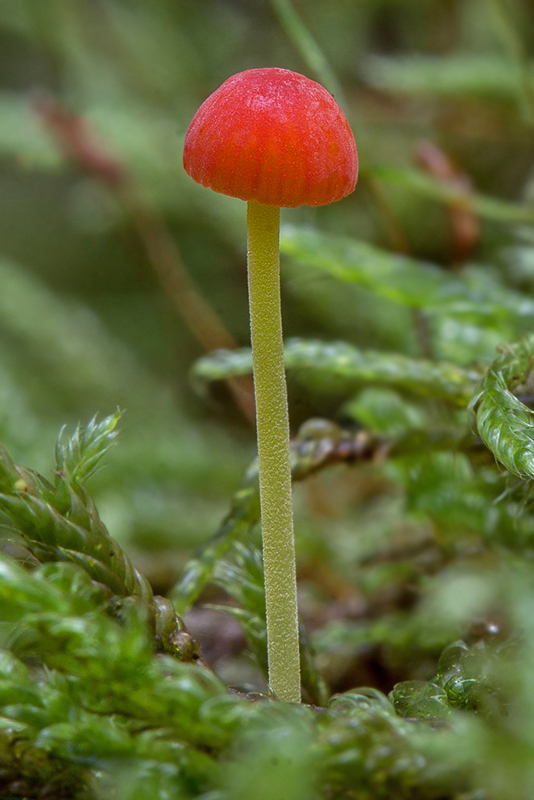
{"points": [[98, 218]]}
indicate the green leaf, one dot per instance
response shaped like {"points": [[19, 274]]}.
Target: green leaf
{"points": [[384, 411], [475, 296], [458, 75], [490, 208], [339, 366], [420, 700], [503, 421], [398, 278]]}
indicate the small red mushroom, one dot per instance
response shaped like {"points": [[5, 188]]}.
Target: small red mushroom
{"points": [[274, 138]]}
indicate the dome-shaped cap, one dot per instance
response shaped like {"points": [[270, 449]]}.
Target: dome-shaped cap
{"points": [[273, 136]]}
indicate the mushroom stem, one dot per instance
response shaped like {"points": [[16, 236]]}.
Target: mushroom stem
{"points": [[272, 421]]}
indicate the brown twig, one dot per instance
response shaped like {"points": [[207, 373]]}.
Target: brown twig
{"points": [[464, 222]]}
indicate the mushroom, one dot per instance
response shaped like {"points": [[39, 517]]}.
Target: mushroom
{"points": [[274, 138]]}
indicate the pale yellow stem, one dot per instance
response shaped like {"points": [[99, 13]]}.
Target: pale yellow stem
{"points": [[273, 451]]}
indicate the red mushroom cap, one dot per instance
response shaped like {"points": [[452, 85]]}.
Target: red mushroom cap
{"points": [[273, 136]]}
